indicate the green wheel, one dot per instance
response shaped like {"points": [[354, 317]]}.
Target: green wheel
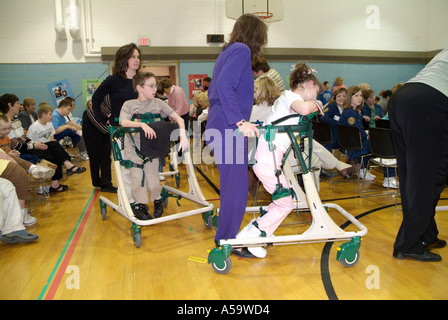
{"points": [[348, 252], [136, 233], [103, 212], [103, 209], [350, 262], [219, 258], [223, 267], [138, 240], [208, 222], [207, 217]]}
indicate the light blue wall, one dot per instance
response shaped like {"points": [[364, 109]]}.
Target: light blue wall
{"points": [[31, 80], [379, 76]]}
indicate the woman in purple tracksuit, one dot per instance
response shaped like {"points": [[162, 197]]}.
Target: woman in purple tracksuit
{"points": [[231, 96]]}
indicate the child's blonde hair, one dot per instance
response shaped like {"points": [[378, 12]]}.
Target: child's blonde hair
{"points": [[203, 99], [44, 108], [266, 90]]}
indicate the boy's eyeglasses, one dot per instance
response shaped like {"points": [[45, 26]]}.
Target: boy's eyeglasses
{"points": [[153, 86], [6, 129]]}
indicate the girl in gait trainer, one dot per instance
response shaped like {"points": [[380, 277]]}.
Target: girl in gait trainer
{"points": [[301, 99]]}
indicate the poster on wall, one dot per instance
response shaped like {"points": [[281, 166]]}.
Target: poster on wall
{"points": [[59, 90], [195, 83], [88, 88]]}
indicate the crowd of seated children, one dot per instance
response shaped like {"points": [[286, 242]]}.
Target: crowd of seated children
{"points": [[16, 169], [37, 154]]}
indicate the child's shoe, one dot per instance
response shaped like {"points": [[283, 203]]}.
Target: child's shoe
{"points": [[390, 183], [366, 175], [84, 156], [27, 219], [43, 190], [158, 208], [19, 236], [250, 232], [140, 211]]}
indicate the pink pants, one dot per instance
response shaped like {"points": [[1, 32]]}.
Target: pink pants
{"points": [[279, 209]]}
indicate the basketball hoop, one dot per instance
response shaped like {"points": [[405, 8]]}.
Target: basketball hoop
{"points": [[264, 15]]}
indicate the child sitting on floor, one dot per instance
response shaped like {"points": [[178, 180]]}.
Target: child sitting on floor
{"points": [[146, 86]]}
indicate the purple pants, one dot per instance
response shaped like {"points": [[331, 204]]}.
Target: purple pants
{"points": [[234, 185]]}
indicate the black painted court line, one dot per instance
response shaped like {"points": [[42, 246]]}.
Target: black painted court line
{"points": [[207, 179], [324, 269]]}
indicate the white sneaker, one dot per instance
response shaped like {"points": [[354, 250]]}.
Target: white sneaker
{"points": [[250, 232], [366, 175], [259, 252], [390, 183], [41, 172], [27, 219], [43, 190], [84, 156]]}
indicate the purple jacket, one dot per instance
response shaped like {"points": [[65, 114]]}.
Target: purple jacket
{"points": [[231, 91]]}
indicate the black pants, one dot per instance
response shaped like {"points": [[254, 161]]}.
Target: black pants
{"points": [[55, 153], [418, 119], [99, 151]]}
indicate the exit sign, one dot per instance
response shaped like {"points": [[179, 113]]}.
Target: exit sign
{"points": [[144, 41]]}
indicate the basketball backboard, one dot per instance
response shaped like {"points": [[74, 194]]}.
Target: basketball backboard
{"points": [[268, 10]]}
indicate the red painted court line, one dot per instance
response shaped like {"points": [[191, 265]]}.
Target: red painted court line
{"points": [[60, 274]]}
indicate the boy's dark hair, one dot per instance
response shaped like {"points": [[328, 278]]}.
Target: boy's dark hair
{"points": [[260, 63], [64, 103], [165, 83], [140, 78], [5, 99]]}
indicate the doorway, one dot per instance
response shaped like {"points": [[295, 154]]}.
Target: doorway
{"points": [[162, 70]]}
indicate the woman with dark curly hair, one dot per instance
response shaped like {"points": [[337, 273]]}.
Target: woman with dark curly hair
{"points": [[106, 106]]}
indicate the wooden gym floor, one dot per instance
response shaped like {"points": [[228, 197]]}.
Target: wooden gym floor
{"points": [[81, 256]]}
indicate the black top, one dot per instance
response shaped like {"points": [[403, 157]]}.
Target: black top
{"points": [[119, 91]]}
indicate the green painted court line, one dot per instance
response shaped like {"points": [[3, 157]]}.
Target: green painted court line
{"points": [[58, 263]]}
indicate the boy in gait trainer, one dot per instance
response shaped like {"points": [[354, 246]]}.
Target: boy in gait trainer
{"points": [[145, 173]]}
